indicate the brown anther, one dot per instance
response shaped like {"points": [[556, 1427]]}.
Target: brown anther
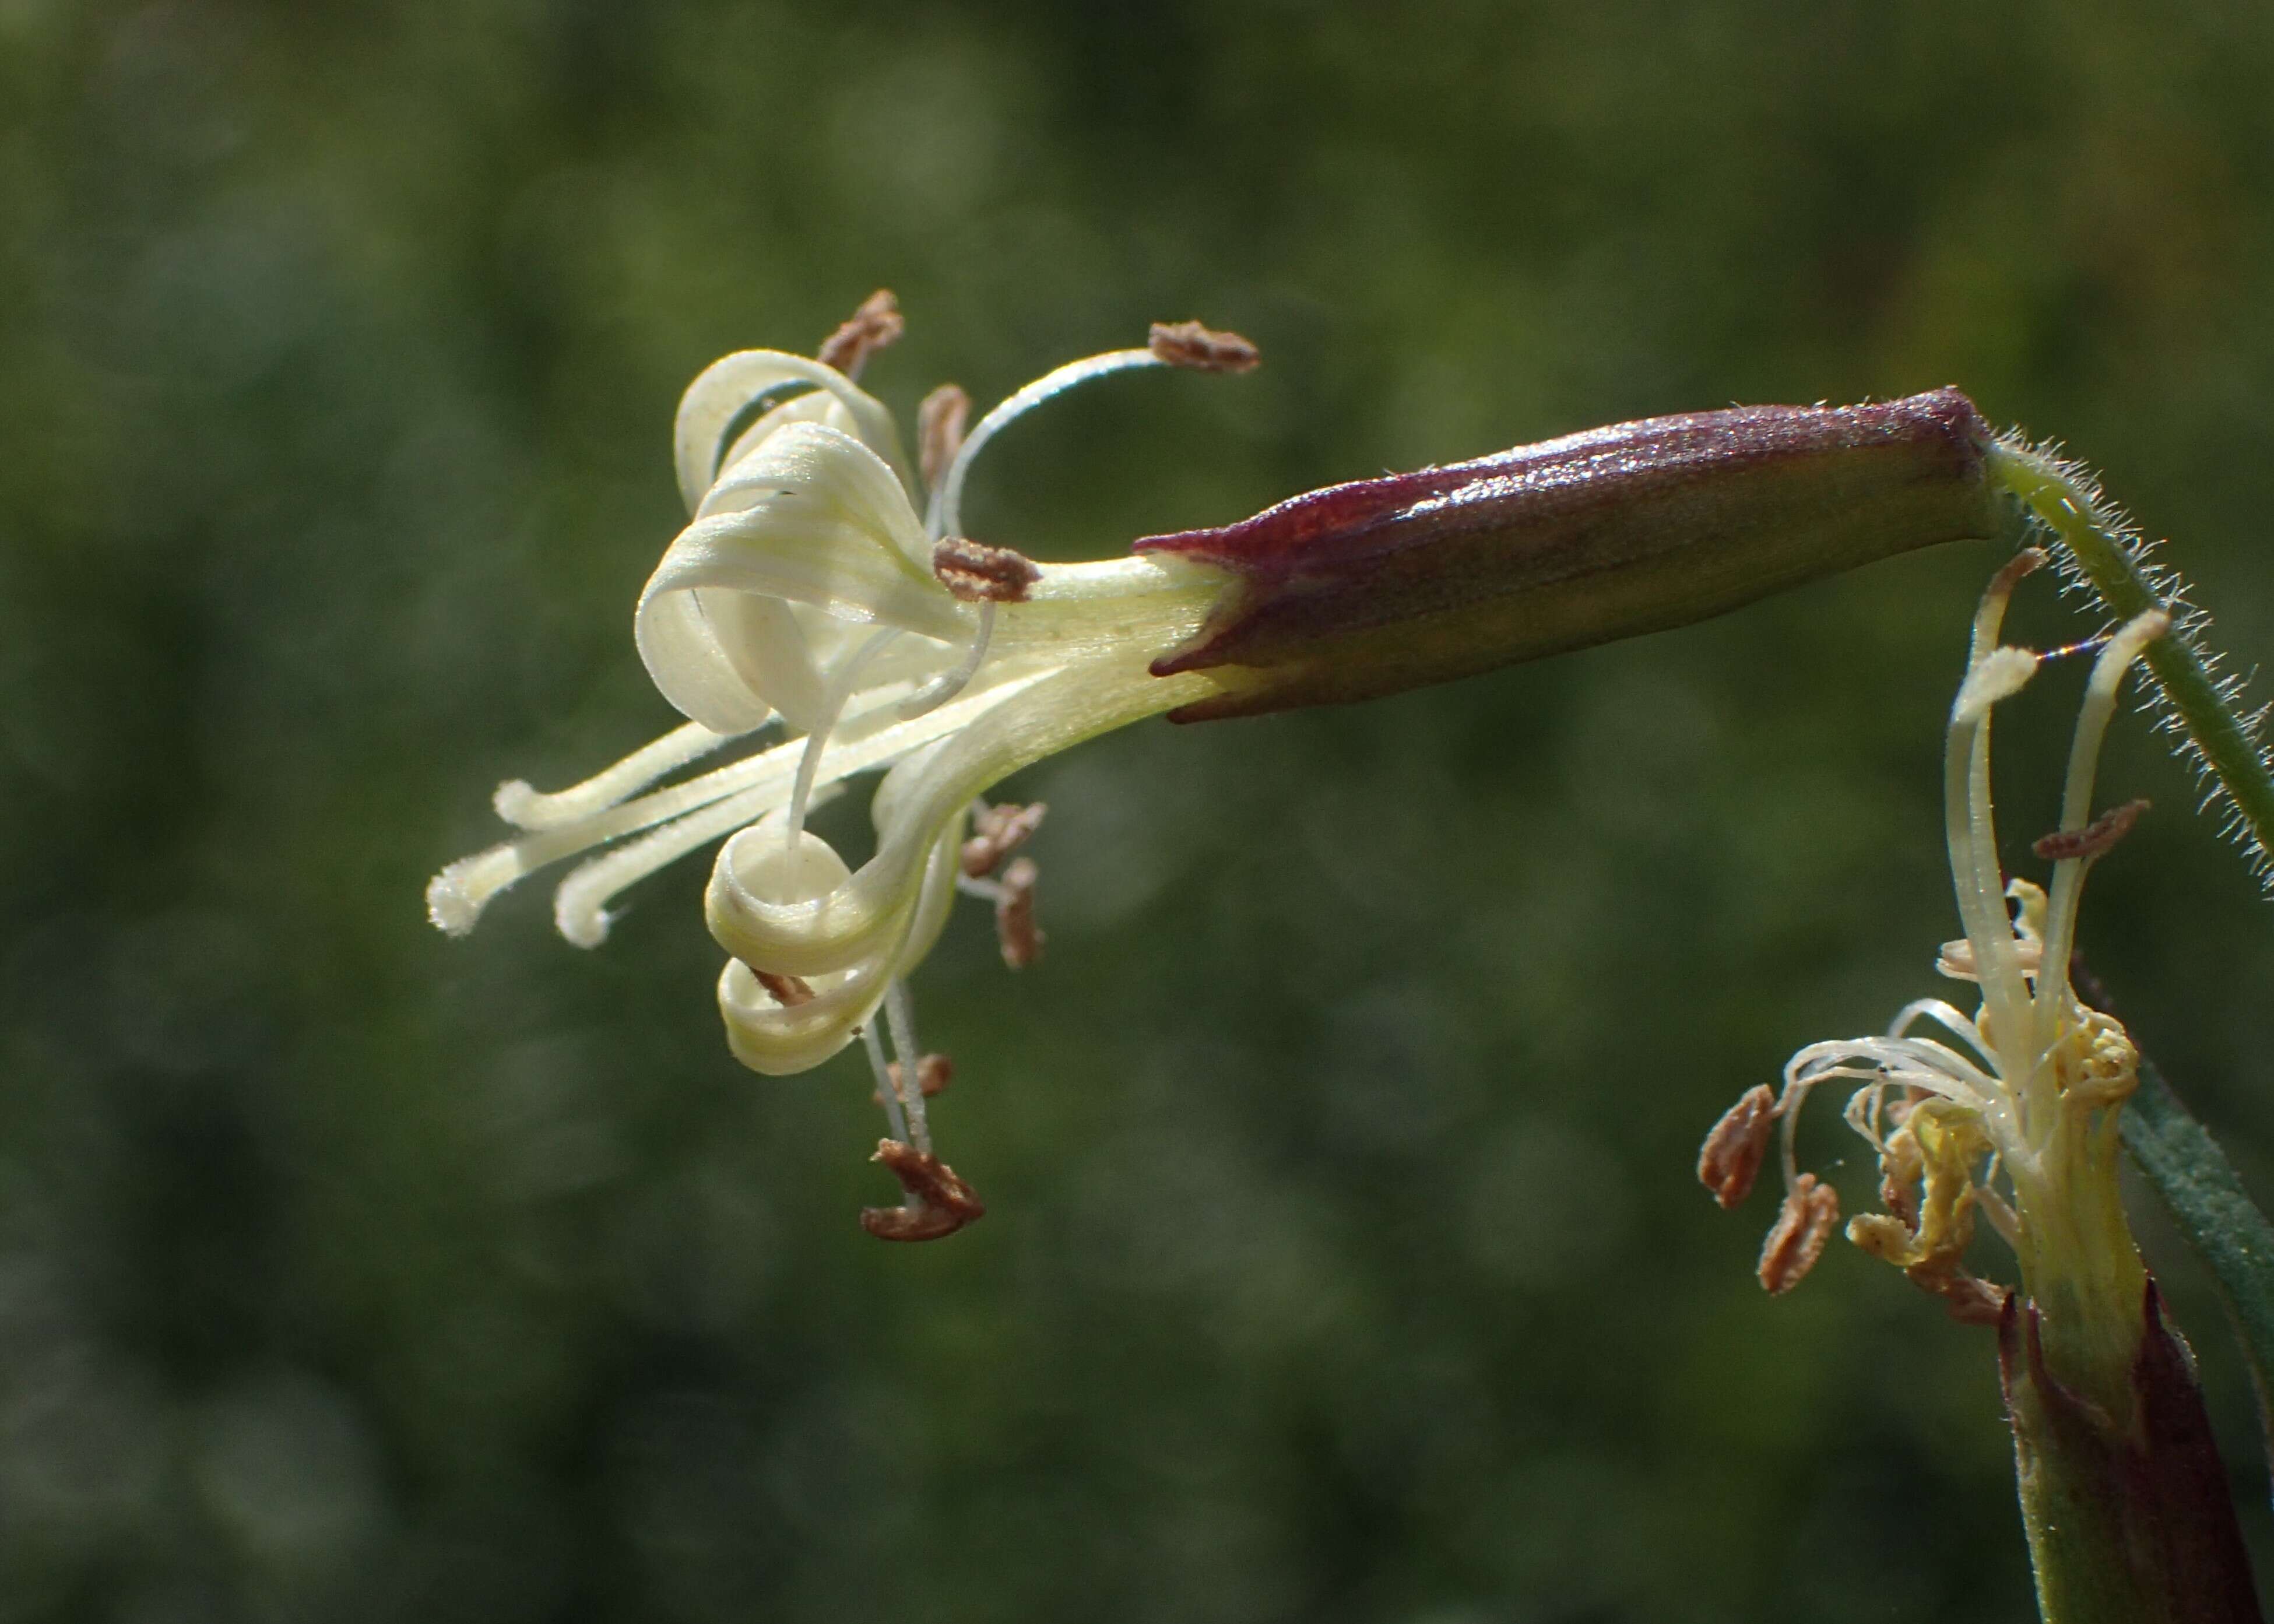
{"points": [[996, 832], [1015, 930], [2095, 837], [789, 991], [939, 430], [976, 573], [869, 329], [1202, 350], [1731, 1157], [934, 1072], [938, 1202], [1811, 1210]]}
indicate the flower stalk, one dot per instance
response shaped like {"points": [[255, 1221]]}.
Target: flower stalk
{"points": [[2105, 550]]}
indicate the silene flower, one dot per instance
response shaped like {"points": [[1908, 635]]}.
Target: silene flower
{"points": [[821, 590], [2011, 1113], [825, 602]]}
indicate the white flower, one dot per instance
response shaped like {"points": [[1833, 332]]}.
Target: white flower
{"points": [[810, 593], [2012, 1110]]}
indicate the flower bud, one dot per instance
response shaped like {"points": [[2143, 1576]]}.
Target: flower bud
{"points": [[1369, 587]]}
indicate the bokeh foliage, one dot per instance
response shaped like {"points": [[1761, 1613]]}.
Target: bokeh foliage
{"points": [[1344, 1260]]}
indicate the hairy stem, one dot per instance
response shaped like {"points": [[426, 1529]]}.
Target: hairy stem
{"points": [[2108, 553]]}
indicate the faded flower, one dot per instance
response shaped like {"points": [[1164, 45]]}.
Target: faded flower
{"points": [[2009, 1112]]}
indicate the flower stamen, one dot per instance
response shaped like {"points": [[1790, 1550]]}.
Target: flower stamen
{"points": [[1178, 347], [1200, 349], [1735, 1147], [901, 1020], [975, 573], [888, 1082], [939, 1203], [940, 422], [1016, 933], [996, 832], [1803, 1226], [877, 323]]}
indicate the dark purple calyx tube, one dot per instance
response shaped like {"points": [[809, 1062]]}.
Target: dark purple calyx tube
{"points": [[1369, 587]]}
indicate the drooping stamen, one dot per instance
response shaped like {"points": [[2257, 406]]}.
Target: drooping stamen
{"points": [[938, 1202], [1016, 934], [945, 515], [833, 704], [1790, 1099], [525, 808], [2095, 838], [940, 422], [870, 328], [1202, 348], [1803, 1226], [888, 1092], [996, 832], [899, 1013], [1735, 1147]]}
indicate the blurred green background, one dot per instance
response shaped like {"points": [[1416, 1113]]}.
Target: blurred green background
{"points": [[1344, 1260]]}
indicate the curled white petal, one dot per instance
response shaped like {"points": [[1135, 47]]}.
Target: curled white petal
{"points": [[723, 389], [580, 906], [813, 518], [818, 407], [776, 1039], [811, 937]]}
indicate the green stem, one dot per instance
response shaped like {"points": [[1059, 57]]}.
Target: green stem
{"points": [[2097, 539]]}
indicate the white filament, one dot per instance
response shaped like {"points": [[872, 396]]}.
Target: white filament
{"points": [[949, 683], [886, 1091], [945, 513]]}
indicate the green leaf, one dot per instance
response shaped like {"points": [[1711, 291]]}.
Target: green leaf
{"points": [[2206, 1197]]}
